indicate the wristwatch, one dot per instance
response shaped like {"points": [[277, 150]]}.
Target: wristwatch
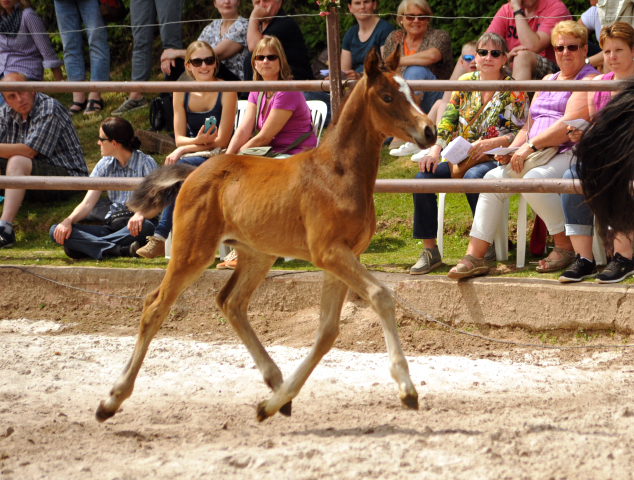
{"points": [[530, 144], [521, 10], [587, 61]]}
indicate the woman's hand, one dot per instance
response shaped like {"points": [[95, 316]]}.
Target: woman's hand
{"points": [[167, 60], [173, 157], [575, 134], [479, 147], [429, 163], [352, 75], [206, 138], [135, 224], [63, 231], [518, 158], [503, 159]]}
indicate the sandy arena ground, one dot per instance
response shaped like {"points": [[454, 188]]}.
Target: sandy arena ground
{"points": [[490, 413]]}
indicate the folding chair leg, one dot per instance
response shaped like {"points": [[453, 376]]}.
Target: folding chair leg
{"points": [[521, 232], [501, 236], [597, 249], [441, 222]]}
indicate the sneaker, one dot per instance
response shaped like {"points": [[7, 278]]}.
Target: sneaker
{"points": [[579, 270], [423, 153], [405, 150], [131, 250], [130, 105], [7, 240], [489, 256], [617, 270], [155, 247], [429, 259], [155, 142], [230, 263]]}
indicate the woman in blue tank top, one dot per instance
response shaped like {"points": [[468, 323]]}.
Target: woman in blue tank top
{"points": [[191, 109]]}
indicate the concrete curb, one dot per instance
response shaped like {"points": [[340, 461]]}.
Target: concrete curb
{"points": [[504, 302]]}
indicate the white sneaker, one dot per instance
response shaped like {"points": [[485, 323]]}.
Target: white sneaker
{"points": [[404, 150], [416, 158]]}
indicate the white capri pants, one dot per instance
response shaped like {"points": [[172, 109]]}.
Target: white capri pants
{"points": [[546, 205]]}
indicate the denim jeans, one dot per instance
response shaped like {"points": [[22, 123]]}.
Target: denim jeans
{"points": [[165, 225], [426, 206], [93, 240], [416, 72], [70, 15], [579, 218], [145, 12]]}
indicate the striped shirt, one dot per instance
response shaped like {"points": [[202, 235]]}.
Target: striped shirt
{"points": [[49, 131], [139, 165], [28, 54]]}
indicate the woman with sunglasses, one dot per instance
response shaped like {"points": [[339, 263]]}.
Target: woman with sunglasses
{"points": [[121, 158], [545, 128], [487, 120], [617, 43], [191, 110]]}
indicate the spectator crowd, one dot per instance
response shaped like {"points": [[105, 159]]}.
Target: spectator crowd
{"points": [[527, 39]]}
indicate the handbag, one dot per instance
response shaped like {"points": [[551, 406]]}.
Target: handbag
{"points": [[205, 153], [112, 10], [535, 159], [162, 113]]}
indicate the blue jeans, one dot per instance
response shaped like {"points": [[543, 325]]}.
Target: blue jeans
{"points": [[165, 225], [416, 72], [426, 206], [579, 218], [93, 240], [70, 15]]}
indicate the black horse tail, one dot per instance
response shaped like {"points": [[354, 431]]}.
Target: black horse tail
{"points": [[158, 188], [606, 166]]}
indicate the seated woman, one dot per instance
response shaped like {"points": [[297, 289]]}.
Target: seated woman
{"points": [[283, 120], [226, 35], [617, 42], [190, 113], [120, 159], [545, 128], [24, 44], [426, 52], [487, 120]]}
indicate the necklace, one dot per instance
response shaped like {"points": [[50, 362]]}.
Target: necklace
{"points": [[269, 95]]}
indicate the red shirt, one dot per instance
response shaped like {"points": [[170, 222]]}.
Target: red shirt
{"points": [[548, 13]]}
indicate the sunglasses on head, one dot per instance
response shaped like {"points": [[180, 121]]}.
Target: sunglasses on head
{"points": [[197, 62], [494, 53], [468, 58], [270, 58], [411, 18], [571, 48]]}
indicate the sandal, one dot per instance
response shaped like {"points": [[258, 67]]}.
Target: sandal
{"points": [[94, 106], [81, 106], [555, 265], [478, 267]]}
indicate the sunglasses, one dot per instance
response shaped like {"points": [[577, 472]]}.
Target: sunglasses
{"points": [[494, 53], [103, 139], [270, 58], [468, 58], [571, 48], [197, 62], [411, 18]]}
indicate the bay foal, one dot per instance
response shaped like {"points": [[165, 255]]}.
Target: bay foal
{"points": [[317, 206]]}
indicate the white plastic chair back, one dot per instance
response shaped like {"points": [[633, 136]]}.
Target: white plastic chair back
{"points": [[318, 112], [242, 106]]}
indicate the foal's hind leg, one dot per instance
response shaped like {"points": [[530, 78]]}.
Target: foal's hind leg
{"points": [[332, 298], [180, 274], [233, 301]]}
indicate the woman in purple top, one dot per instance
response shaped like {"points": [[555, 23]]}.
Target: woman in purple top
{"points": [[617, 43], [545, 128], [24, 44], [284, 117]]}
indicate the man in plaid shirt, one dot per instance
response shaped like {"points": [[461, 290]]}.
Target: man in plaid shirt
{"points": [[37, 137]]}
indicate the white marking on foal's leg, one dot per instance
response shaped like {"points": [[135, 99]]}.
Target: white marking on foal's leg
{"points": [[407, 91]]}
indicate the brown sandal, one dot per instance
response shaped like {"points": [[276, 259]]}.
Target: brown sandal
{"points": [[478, 267], [555, 265]]}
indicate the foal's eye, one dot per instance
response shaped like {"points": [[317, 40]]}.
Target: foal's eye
{"points": [[386, 98]]}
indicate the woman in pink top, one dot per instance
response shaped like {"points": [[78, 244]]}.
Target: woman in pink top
{"points": [[617, 43], [284, 120]]}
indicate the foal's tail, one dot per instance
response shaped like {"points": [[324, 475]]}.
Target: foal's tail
{"points": [[158, 188]]}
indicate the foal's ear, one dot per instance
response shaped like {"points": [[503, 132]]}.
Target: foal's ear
{"points": [[393, 60], [372, 64]]}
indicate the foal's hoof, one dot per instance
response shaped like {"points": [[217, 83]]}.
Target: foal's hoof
{"points": [[286, 409], [102, 414], [261, 414], [411, 402]]}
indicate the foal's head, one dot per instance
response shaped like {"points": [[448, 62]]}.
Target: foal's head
{"points": [[394, 108]]}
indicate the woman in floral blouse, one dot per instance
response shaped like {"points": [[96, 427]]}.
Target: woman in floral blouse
{"points": [[487, 120]]}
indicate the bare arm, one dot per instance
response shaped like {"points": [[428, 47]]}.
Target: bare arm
{"points": [[81, 211], [227, 48], [244, 131], [272, 126], [8, 150], [424, 58], [254, 35], [346, 60]]}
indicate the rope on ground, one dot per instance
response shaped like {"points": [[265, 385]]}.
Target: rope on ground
{"points": [[457, 330]]}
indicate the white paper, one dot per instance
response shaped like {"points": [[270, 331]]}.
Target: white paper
{"points": [[456, 151], [324, 72], [502, 151], [580, 123]]}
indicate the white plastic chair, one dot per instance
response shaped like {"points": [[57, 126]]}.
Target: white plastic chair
{"points": [[318, 112]]}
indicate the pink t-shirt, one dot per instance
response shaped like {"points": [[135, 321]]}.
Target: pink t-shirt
{"points": [[299, 123], [547, 15]]}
